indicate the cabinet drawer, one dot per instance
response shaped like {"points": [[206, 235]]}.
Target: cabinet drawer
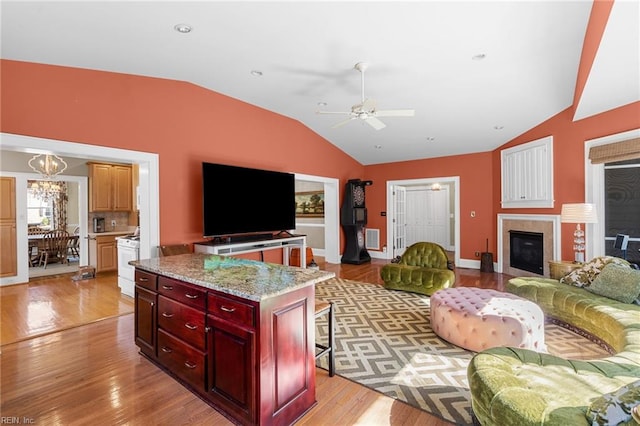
{"points": [[146, 280], [232, 310], [182, 292], [182, 321], [183, 360]]}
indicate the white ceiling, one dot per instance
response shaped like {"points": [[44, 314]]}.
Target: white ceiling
{"points": [[420, 56]]}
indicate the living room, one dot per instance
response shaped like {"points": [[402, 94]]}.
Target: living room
{"points": [[175, 125]]}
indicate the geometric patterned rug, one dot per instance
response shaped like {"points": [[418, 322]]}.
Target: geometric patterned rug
{"points": [[384, 341]]}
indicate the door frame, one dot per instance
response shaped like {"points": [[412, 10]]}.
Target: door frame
{"points": [[455, 180], [149, 185], [331, 215]]}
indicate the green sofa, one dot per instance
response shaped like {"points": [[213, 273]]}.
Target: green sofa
{"points": [[423, 268], [511, 386]]}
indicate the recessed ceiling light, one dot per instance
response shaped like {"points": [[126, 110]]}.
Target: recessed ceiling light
{"points": [[256, 73], [183, 28], [498, 127], [322, 104], [479, 57]]}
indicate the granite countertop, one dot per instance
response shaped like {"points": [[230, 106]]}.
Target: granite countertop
{"points": [[248, 279]]}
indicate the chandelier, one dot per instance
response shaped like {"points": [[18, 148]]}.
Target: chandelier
{"points": [[49, 166], [45, 189]]}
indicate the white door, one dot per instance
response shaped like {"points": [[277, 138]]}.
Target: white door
{"points": [[400, 220]]}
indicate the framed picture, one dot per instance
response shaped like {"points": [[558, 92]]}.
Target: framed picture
{"points": [[310, 204]]}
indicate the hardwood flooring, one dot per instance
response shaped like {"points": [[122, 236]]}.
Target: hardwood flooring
{"points": [[93, 374], [55, 303]]}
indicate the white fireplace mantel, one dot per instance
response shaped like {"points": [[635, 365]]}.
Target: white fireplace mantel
{"points": [[554, 219]]}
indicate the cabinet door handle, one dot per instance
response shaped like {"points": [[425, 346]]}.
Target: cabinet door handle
{"points": [[143, 279], [167, 287], [224, 308], [167, 315], [191, 296], [189, 364], [166, 350], [190, 326]]}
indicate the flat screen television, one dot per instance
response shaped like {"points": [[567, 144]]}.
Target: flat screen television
{"points": [[241, 200]]}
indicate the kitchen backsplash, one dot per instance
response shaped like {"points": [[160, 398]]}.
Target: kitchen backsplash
{"points": [[121, 220]]}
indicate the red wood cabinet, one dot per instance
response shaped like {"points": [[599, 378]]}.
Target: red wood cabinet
{"points": [[252, 360]]}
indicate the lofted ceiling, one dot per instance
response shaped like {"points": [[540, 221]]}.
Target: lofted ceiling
{"points": [[477, 73]]}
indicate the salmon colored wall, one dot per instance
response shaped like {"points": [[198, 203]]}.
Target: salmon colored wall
{"points": [[184, 123], [569, 139], [476, 193]]}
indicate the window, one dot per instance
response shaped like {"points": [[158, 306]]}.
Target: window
{"points": [[622, 207], [39, 212]]}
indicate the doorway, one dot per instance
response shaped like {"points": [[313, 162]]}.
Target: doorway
{"points": [[149, 190], [428, 191]]}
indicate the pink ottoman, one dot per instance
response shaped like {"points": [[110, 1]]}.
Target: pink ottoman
{"points": [[478, 319]]}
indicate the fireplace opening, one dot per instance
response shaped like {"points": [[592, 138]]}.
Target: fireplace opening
{"points": [[526, 251]]}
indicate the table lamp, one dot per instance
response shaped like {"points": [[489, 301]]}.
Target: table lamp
{"points": [[579, 213]]}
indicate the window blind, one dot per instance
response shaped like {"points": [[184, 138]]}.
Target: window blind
{"points": [[619, 151]]}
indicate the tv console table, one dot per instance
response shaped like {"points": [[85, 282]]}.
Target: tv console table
{"points": [[277, 242]]}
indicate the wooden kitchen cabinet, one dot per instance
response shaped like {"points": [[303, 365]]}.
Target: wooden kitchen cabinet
{"points": [[110, 187], [252, 360], [103, 252], [8, 246], [146, 302], [232, 356]]}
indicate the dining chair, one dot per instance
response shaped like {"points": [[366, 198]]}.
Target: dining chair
{"points": [[173, 249], [74, 243], [54, 247]]}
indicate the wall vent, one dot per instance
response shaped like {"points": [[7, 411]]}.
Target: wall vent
{"points": [[372, 239]]}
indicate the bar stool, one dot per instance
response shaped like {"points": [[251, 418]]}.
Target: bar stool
{"points": [[327, 308]]}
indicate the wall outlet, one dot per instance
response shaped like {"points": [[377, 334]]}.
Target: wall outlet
{"points": [[113, 223]]}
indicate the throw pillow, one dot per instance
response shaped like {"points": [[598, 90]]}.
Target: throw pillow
{"points": [[617, 282], [615, 407], [584, 275]]}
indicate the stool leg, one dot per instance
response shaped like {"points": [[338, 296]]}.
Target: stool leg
{"points": [[332, 341]]}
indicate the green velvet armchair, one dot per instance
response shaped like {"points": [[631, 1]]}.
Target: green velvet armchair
{"points": [[423, 268]]}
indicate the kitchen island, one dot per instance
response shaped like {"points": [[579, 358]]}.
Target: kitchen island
{"points": [[239, 333]]}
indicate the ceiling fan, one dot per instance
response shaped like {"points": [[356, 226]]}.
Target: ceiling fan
{"points": [[366, 109]]}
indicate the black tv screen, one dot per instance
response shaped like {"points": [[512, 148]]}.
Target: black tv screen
{"points": [[240, 200]]}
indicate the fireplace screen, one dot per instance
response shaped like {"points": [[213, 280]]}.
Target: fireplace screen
{"points": [[526, 251]]}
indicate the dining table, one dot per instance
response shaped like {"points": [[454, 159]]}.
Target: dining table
{"points": [[36, 241]]}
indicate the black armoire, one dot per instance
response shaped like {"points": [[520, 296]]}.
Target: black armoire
{"points": [[353, 218]]}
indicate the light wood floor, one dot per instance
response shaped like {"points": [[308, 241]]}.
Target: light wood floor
{"points": [[93, 374]]}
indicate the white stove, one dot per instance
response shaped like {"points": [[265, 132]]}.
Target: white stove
{"points": [[128, 250]]}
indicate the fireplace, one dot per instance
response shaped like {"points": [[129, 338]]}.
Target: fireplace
{"points": [[526, 251]]}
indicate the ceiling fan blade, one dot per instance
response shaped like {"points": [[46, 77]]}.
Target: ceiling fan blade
{"points": [[396, 113], [375, 123], [334, 112], [342, 123]]}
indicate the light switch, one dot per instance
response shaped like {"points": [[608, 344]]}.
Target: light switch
{"points": [[473, 213]]}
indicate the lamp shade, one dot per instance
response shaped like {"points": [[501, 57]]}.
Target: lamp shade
{"points": [[579, 213]]}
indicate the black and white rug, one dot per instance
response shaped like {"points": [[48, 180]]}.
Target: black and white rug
{"points": [[384, 341]]}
